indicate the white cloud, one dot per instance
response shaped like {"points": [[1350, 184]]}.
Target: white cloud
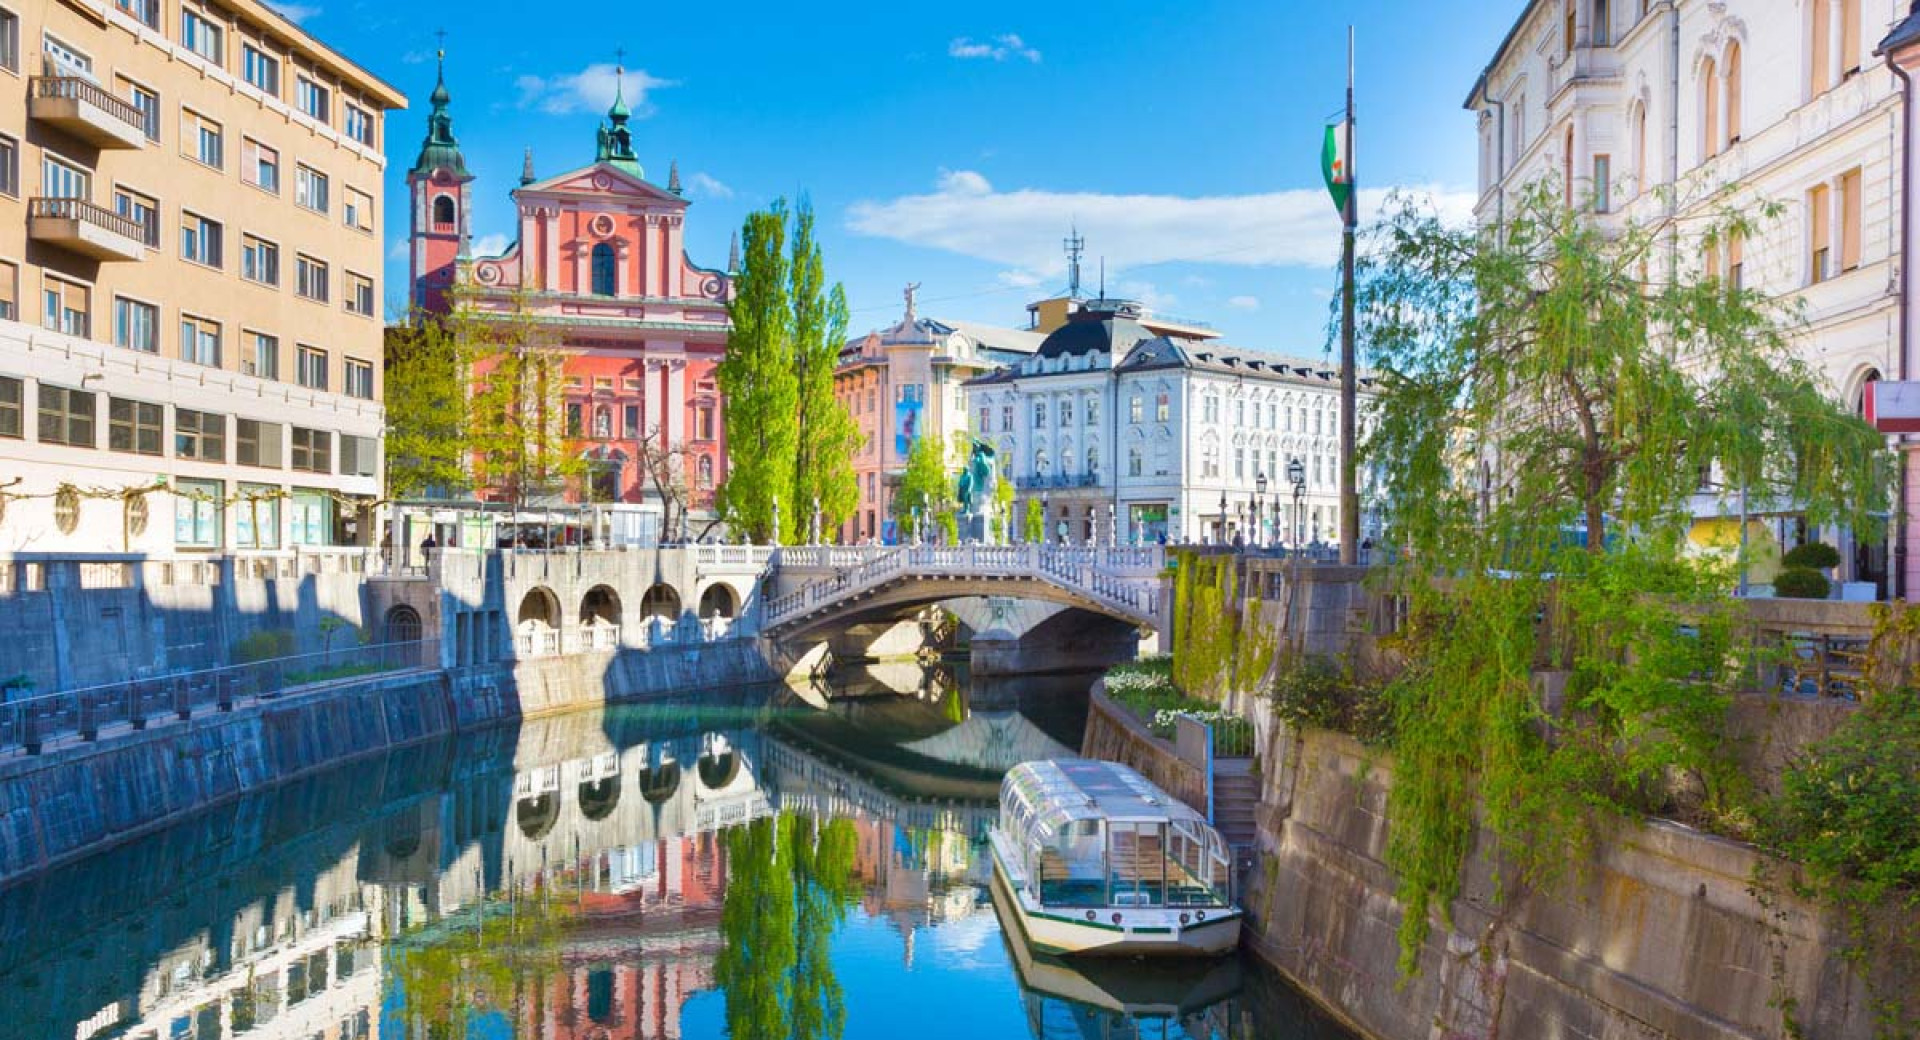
{"points": [[295, 13], [1021, 228], [1000, 48], [416, 57], [490, 245], [1245, 303], [1020, 279], [591, 89], [705, 186], [398, 250]]}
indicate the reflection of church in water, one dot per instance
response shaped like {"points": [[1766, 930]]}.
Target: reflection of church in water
{"points": [[628, 839]]}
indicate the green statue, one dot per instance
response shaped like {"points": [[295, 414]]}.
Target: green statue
{"points": [[976, 481]]}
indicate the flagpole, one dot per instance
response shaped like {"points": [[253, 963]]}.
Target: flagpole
{"points": [[1349, 493]]}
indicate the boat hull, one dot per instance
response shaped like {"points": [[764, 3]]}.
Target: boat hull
{"points": [[1140, 933]]}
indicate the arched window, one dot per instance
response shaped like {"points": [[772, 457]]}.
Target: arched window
{"points": [[1732, 76], [1709, 109], [603, 269], [1039, 463], [443, 210]]}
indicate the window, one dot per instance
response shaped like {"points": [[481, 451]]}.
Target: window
{"points": [[1039, 415], [1819, 237], [703, 422], [1134, 462], [1736, 247], [257, 443], [1709, 109], [259, 260], [312, 98], [9, 166], [1602, 23], [443, 211], [1093, 411], [1819, 46], [604, 269], [141, 210], [262, 357], [358, 124], [146, 12], [260, 165], [202, 37], [136, 325], [1640, 157], [202, 139], [62, 180], [311, 370], [310, 188], [12, 407], [256, 517], [1066, 412], [603, 422], [199, 508], [261, 69], [356, 209], [312, 450], [67, 306], [1006, 417], [359, 294], [1732, 77], [310, 279], [1602, 183], [149, 105], [63, 60], [199, 435], [1566, 33], [1134, 413], [1239, 463], [359, 456], [311, 518], [9, 291], [575, 422], [1850, 219], [201, 239], [630, 421], [359, 381], [66, 416], [9, 41], [1849, 37], [1210, 410], [134, 427], [199, 341], [1162, 408]]}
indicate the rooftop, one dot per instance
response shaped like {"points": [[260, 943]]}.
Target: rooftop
{"points": [[1064, 790]]}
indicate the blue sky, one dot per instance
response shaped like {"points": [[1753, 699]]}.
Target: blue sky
{"points": [[951, 144]]}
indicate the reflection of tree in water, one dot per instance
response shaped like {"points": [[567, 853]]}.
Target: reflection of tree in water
{"points": [[457, 978], [790, 880]]}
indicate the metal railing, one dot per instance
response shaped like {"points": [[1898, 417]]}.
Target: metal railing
{"points": [[86, 213], [86, 91], [28, 723], [1058, 480]]}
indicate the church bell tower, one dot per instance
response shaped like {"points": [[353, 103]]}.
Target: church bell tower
{"points": [[441, 199]]}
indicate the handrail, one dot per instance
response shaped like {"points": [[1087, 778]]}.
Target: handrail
{"points": [[79, 88], [88, 213]]}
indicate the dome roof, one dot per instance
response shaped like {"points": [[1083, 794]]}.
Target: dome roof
{"points": [[1110, 333]]}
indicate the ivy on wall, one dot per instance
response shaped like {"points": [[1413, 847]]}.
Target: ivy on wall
{"points": [[1219, 641]]}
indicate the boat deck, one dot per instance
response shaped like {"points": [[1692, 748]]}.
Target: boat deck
{"points": [[1137, 880]]}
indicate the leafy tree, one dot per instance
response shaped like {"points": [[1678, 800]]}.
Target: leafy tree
{"points": [[1547, 408], [427, 415], [791, 880], [1003, 506], [926, 487], [1034, 528], [666, 466], [761, 384], [518, 429], [827, 436]]}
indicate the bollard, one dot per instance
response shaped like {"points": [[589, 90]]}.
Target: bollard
{"points": [[136, 705], [182, 700], [223, 691], [89, 725]]}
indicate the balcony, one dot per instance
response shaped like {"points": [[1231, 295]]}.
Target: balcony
{"points": [[84, 228], [1058, 480], [86, 110]]}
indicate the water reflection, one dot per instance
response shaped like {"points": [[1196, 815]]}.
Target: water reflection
{"points": [[761, 867]]}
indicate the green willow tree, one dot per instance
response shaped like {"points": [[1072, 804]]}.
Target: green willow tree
{"points": [[1546, 413], [827, 437], [790, 882]]}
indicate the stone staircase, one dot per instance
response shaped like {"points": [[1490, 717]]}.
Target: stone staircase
{"points": [[1236, 800]]}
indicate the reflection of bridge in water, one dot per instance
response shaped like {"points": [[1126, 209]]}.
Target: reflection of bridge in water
{"points": [[268, 915]]}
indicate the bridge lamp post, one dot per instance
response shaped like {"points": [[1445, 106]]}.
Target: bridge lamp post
{"points": [[1297, 474], [1259, 492], [1221, 532], [1046, 517]]}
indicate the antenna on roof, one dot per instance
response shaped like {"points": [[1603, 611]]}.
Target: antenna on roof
{"points": [[1075, 245], [1103, 277]]}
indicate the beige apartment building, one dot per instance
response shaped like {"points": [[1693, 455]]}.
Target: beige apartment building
{"points": [[190, 298]]}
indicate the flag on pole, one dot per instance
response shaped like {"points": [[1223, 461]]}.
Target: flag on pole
{"points": [[1334, 164]]}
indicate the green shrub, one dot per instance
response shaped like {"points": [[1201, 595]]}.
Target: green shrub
{"points": [[1817, 556], [1846, 808], [1801, 583], [264, 645], [1311, 692]]}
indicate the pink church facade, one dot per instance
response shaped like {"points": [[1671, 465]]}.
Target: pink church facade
{"points": [[599, 262]]}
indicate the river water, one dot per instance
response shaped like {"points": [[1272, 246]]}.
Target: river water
{"points": [[768, 863]]}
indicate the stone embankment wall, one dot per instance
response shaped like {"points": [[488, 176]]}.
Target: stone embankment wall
{"points": [[76, 799], [1663, 933]]}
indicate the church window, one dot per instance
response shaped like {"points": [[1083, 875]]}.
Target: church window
{"points": [[443, 210], [603, 269]]}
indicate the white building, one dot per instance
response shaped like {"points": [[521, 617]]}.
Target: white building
{"points": [[1620, 99], [1131, 434]]}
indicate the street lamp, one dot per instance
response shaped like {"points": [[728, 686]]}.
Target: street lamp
{"points": [[1259, 492], [1297, 473], [1046, 517], [1221, 531]]}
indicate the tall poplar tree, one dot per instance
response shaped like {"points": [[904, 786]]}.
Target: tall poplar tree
{"points": [[427, 414], [761, 384], [823, 462]]}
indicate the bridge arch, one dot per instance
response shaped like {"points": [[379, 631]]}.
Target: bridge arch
{"points": [[601, 605], [539, 605], [658, 783], [598, 798], [536, 814], [661, 601]]}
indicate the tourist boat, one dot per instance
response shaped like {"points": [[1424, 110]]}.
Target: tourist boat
{"points": [[1093, 859]]}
